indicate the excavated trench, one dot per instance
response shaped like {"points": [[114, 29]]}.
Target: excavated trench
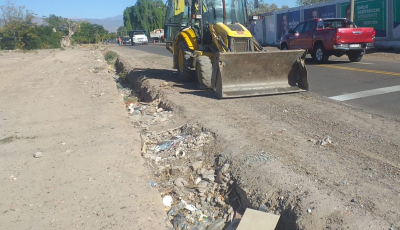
{"points": [[194, 179]]}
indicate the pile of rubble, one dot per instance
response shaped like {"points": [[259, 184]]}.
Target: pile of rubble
{"points": [[195, 193], [145, 114], [142, 114]]}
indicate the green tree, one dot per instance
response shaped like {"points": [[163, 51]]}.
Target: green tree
{"points": [[112, 35], [16, 26], [90, 33], [127, 18], [18, 32], [262, 7], [122, 31], [145, 15]]}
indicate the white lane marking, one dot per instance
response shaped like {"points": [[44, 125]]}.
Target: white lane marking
{"points": [[364, 63], [367, 93]]}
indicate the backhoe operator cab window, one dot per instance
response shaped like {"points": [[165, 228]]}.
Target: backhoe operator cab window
{"points": [[177, 18], [235, 12]]}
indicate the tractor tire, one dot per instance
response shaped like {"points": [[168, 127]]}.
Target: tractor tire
{"points": [[185, 62], [203, 72], [355, 56], [321, 57]]}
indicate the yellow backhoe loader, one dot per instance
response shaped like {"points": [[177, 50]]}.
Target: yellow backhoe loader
{"points": [[210, 44]]}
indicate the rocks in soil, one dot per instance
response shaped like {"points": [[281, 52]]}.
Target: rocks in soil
{"points": [[38, 155], [180, 183], [325, 141], [196, 165]]}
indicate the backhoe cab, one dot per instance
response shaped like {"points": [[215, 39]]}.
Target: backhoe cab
{"points": [[210, 44]]}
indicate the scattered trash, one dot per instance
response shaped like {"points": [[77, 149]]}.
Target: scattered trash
{"points": [[167, 200], [168, 145], [309, 210], [153, 184], [262, 208], [172, 153], [202, 201], [191, 207], [179, 221], [38, 155], [217, 225]]}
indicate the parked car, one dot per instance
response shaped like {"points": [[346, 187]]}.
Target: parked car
{"points": [[330, 36], [126, 40]]}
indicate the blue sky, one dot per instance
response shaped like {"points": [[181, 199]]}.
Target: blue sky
{"points": [[92, 9]]}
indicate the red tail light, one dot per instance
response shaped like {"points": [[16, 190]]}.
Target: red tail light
{"points": [[373, 34], [338, 36]]}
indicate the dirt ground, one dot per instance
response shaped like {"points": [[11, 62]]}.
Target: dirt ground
{"points": [[65, 104], [317, 163]]}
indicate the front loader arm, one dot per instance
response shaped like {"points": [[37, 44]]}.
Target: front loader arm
{"points": [[217, 41]]}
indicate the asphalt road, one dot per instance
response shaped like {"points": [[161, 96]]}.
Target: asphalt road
{"points": [[370, 85]]}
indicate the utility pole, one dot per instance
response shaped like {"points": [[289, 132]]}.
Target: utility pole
{"points": [[352, 10]]}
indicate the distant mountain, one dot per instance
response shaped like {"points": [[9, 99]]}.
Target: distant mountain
{"points": [[111, 24]]}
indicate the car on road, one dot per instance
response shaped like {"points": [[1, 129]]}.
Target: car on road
{"points": [[330, 36], [126, 40], [138, 37]]}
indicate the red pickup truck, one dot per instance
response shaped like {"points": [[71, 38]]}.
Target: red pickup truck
{"points": [[330, 36]]}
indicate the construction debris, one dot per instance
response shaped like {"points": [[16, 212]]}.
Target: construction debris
{"points": [[257, 220], [200, 188]]}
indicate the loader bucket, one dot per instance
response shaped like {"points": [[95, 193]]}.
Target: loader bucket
{"points": [[240, 74]]}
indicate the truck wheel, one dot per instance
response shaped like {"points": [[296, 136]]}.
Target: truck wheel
{"points": [[185, 62], [355, 56], [320, 54], [284, 47], [203, 72]]}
